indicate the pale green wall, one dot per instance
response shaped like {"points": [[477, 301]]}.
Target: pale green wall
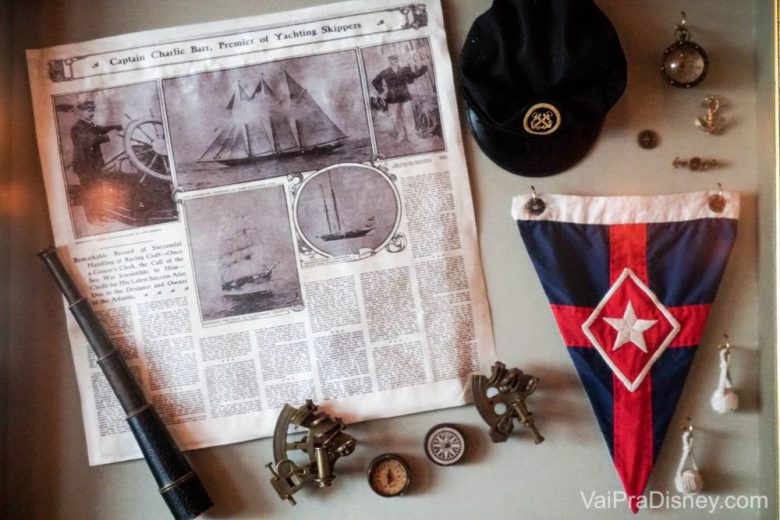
{"points": [[768, 210], [44, 469]]}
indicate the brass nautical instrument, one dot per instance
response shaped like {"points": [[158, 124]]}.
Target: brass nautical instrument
{"points": [[324, 443], [501, 398]]}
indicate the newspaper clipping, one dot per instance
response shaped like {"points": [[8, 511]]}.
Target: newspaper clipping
{"points": [[264, 211]]}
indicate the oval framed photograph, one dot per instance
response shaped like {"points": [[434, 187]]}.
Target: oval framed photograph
{"points": [[347, 210]]}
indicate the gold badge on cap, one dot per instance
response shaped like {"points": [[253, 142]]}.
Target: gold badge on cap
{"points": [[542, 119]]}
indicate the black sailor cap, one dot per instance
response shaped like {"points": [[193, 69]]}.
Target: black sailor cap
{"points": [[538, 78]]}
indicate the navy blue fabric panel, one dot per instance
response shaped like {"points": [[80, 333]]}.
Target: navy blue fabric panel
{"points": [[572, 260], [596, 377], [668, 376], [686, 259]]}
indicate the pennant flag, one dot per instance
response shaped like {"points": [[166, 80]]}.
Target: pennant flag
{"points": [[630, 281]]}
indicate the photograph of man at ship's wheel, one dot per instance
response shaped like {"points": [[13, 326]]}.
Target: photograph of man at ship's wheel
{"points": [[115, 158], [267, 120], [404, 102], [242, 252]]}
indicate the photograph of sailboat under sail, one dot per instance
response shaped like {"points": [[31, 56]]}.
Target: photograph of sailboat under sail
{"points": [[346, 210], [241, 267], [264, 124], [335, 231], [243, 255]]}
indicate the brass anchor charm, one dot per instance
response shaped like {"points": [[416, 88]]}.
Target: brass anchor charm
{"points": [[711, 122]]}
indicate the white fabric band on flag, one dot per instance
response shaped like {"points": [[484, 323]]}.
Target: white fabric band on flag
{"points": [[627, 209]]}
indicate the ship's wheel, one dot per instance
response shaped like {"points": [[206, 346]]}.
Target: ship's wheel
{"points": [[146, 148]]}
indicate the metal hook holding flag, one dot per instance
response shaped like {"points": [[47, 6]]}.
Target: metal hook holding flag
{"points": [[717, 202], [535, 205]]}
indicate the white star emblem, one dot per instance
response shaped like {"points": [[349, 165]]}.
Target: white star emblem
{"points": [[628, 366], [630, 329]]}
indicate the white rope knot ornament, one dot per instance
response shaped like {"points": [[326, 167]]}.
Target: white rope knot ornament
{"points": [[688, 481], [725, 399]]}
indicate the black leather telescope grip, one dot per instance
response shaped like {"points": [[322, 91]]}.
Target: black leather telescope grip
{"points": [[179, 485]]}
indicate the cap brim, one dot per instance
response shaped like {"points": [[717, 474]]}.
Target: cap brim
{"points": [[536, 156]]}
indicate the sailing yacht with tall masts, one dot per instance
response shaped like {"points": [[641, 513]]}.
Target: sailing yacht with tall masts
{"points": [[335, 230], [263, 124]]}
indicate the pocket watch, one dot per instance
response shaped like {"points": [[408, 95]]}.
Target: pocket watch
{"points": [[684, 62], [389, 475]]}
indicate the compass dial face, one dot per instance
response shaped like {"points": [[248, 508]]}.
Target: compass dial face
{"points": [[388, 475], [684, 64], [445, 444]]}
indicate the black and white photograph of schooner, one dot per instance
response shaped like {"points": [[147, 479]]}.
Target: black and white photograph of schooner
{"points": [[265, 125], [335, 230], [267, 120], [347, 210]]}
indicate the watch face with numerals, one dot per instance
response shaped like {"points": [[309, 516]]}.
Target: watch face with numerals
{"points": [[389, 475], [684, 64]]}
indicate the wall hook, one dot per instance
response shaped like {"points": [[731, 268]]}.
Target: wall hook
{"points": [[717, 202], [535, 205]]}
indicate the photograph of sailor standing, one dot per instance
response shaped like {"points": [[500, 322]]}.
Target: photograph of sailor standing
{"points": [[404, 102], [87, 137], [392, 82]]}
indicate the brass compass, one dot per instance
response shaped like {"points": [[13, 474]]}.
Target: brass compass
{"points": [[445, 444]]}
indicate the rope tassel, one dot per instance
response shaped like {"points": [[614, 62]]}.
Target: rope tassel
{"points": [[725, 399], [688, 481]]}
